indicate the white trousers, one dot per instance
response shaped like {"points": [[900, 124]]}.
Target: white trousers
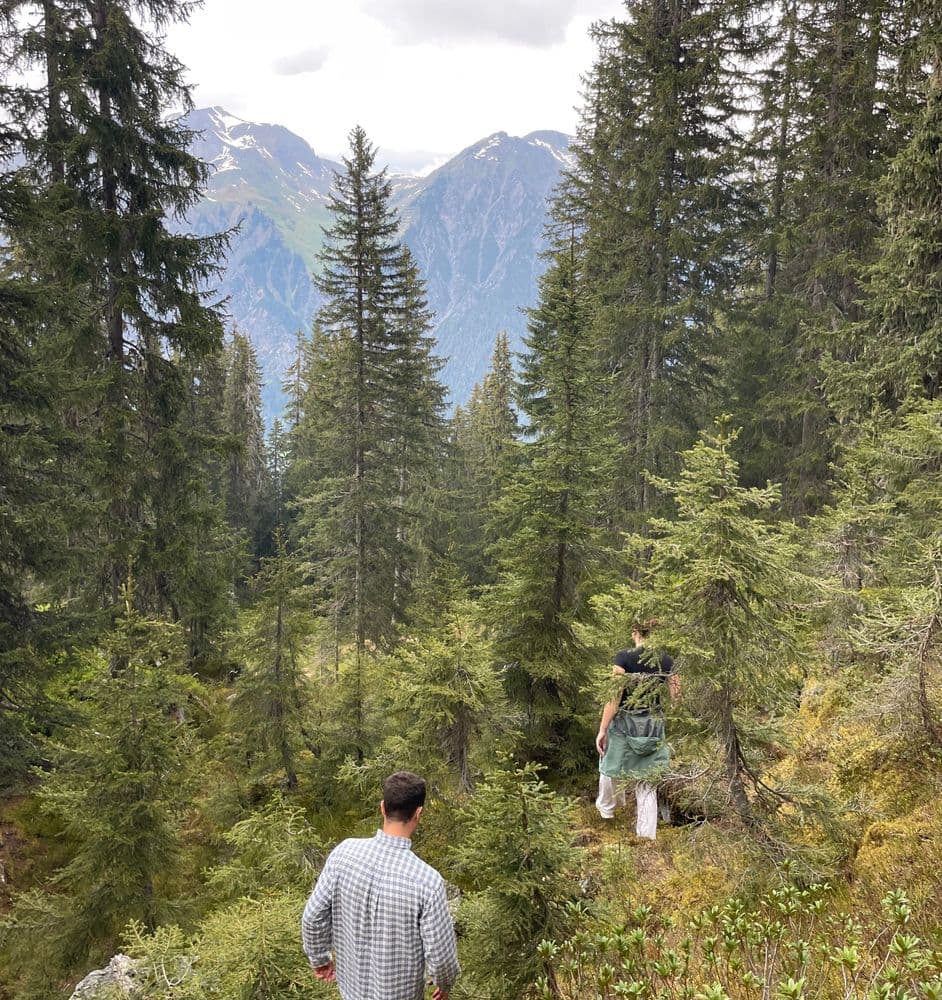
{"points": [[612, 795]]}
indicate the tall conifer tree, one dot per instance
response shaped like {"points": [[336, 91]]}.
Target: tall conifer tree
{"points": [[112, 168], [484, 454], [655, 188], [835, 106], [372, 411], [248, 485], [551, 544], [897, 354], [723, 580], [117, 316]]}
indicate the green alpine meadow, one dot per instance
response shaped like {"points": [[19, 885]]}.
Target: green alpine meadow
{"points": [[313, 473]]}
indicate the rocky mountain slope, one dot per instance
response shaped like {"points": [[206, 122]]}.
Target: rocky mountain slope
{"points": [[476, 228], [474, 225]]}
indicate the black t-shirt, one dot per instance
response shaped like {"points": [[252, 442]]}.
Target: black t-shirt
{"points": [[643, 696]]}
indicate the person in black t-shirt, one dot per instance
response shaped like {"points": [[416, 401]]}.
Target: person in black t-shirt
{"points": [[650, 670], [631, 739]]}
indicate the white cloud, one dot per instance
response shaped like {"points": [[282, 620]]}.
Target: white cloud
{"points": [[536, 23], [411, 95], [411, 161], [308, 61]]}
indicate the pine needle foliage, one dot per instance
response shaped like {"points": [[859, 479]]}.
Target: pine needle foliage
{"points": [[517, 857], [724, 581], [272, 694], [661, 210], [551, 545], [120, 790]]}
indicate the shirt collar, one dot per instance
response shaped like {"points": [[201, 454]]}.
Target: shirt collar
{"points": [[403, 843]]}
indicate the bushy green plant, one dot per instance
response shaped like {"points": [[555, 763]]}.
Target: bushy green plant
{"points": [[724, 580], [443, 702], [517, 858], [272, 849], [273, 694], [246, 951], [792, 945], [120, 790]]}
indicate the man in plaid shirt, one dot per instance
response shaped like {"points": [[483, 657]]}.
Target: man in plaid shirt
{"points": [[382, 911]]}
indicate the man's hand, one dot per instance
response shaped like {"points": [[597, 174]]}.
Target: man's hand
{"points": [[439, 994], [326, 973], [601, 741]]}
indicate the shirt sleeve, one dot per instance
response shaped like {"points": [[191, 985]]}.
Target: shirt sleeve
{"points": [[316, 921], [438, 939]]}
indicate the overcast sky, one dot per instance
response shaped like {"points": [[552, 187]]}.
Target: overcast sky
{"points": [[425, 78]]}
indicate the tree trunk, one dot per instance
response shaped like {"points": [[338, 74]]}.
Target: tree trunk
{"points": [[280, 709], [927, 716], [54, 123], [732, 756], [780, 152]]}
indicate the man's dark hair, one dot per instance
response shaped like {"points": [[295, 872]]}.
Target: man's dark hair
{"points": [[644, 627], [403, 793]]}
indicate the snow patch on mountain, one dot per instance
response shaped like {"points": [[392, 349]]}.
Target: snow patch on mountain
{"points": [[564, 157], [224, 119], [491, 143]]}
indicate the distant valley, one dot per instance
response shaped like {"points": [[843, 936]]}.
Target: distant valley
{"points": [[475, 226]]}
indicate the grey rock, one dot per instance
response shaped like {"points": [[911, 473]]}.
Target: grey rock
{"points": [[117, 979]]}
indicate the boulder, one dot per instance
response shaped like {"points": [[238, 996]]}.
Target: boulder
{"points": [[117, 979]]}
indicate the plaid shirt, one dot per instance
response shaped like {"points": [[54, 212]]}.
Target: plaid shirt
{"points": [[384, 914]]}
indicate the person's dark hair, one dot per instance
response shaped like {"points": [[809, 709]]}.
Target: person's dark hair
{"points": [[403, 793], [643, 628]]}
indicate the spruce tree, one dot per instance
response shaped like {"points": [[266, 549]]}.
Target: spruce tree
{"points": [[322, 453], [248, 484], [416, 425], [120, 788], [46, 504], [293, 383], [271, 695], [108, 304], [306, 428], [111, 169], [191, 552], [445, 703], [43, 508], [898, 350], [516, 851], [551, 546], [277, 448], [763, 375], [723, 581], [882, 540], [656, 190], [833, 115], [494, 416], [378, 408], [483, 455]]}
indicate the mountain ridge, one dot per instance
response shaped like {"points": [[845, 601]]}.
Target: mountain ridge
{"points": [[474, 225]]}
